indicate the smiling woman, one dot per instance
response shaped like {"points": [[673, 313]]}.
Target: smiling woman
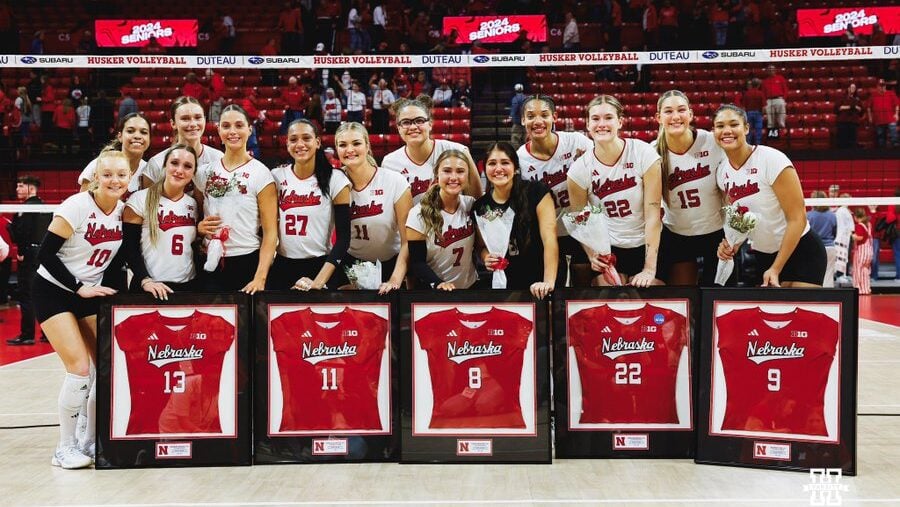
{"points": [[85, 234], [244, 201], [132, 139]]}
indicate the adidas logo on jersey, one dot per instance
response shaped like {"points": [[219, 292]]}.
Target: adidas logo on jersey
{"points": [[623, 347], [170, 354], [322, 352], [306, 334], [452, 333], [153, 337], [93, 215], [462, 353], [753, 333], [768, 352], [606, 329]]}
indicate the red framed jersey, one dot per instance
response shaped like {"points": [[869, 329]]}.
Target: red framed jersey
{"points": [[776, 368], [475, 363], [174, 368], [628, 363], [329, 365]]}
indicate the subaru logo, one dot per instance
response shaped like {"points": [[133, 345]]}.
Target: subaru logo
{"points": [[29, 59], [710, 55], [255, 60], [481, 59]]}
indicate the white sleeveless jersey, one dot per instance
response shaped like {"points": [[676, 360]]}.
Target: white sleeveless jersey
{"points": [[751, 185], [419, 176], [694, 204], [207, 156], [238, 208], [172, 258], [450, 257], [552, 171], [374, 233], [305, 215], [618, 189], [133, 185], [95, 240]]}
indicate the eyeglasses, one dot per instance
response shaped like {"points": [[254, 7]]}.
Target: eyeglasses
{"points": [[409, 122]]}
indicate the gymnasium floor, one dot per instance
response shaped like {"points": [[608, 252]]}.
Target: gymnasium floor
{"points": [[30, 379]]}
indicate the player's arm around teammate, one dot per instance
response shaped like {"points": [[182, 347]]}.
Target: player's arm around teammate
{"points": [[85, 233], [161, 226], [764, 180], [189, 123], [133, 139], [380, 201], [623, 177], [692, 223], [313, 200], [416, 158], [440, 231], [241, 190], [533, 253]]}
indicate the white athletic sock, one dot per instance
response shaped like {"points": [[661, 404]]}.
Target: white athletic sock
{"points": [[71, 398], [90, 412], [82, 424]]}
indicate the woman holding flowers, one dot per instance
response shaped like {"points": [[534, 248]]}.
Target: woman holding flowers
{"points": [[440, 229], [525, 249], [240, 198], [380, 201], [763, 180], [622, 177], [692, 223]]}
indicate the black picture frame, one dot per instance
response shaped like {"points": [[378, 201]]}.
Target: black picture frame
{"points": [[464, 446], [123, 451], [837, 450], [627, 440], [321, 447]]}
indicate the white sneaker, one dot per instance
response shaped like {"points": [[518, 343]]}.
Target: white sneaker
{"points": [[89, 449], [70, 458]]}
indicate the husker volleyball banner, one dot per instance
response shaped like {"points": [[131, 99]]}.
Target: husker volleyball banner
{"points": [[128, 33], [495, 28], [834, 22]]}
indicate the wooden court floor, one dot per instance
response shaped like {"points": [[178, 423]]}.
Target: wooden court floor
{"points": [[28, 435]]}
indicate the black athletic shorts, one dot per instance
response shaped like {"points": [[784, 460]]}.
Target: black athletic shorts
{"points": [[675, 248], [806, 264], [49, 299], [630, 261], [570, 246], [232, 274], [286, 271]]}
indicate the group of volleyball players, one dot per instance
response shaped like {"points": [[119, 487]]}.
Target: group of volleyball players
{"points": [[298, 226]]}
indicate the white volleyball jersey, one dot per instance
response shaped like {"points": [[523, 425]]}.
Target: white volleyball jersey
{"points": [[305, 215], [618, 189], [171, 259], [374, 233], [419, 176], [207, 156], [450, 256], [552, 171], [694, 204], [95, 240], [134, 184], [238, 208], [751, 185]]}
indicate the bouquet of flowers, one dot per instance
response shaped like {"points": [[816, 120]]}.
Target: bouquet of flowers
{"points": [[218, 187], [495, 226], [739, 221], [364, 275], [591, 228]]}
